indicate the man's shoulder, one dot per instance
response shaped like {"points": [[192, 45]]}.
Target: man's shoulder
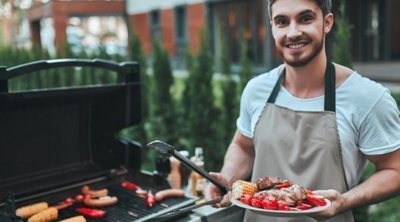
{"points": [[359, 92], [361, 85]]}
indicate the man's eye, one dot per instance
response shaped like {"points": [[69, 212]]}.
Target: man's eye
{"points": [[281, 22], [306, 19]]}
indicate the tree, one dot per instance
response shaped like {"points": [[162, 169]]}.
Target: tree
{"points": [[341, 52], [230, 98], [162, 111], [203, 115], [245, 73]]}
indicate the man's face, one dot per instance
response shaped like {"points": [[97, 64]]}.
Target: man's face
{"points": [[299, 30]]}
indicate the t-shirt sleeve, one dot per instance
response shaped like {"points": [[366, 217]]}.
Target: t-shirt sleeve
{"points": [[380, 131], [243, 123]]}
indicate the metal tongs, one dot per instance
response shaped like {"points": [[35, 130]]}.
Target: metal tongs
{"points": [[165, 148]]}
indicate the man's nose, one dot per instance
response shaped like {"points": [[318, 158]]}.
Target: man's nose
{"points": [[294, 31]]}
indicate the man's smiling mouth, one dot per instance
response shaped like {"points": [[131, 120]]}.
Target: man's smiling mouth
{"points": [[296, 46]]}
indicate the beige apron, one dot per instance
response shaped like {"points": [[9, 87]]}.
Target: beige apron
{"points": [[301, 146]]}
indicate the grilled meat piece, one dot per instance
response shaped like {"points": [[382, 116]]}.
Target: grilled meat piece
{"points": [[290, 194], [268, 182]]}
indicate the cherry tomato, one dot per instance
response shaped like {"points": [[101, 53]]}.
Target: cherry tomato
{"points": [[256, 201], [246, 199], [270, 203], [282, 205]]}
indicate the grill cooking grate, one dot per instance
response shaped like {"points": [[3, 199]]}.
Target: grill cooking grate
{"points": [[130, 207]]}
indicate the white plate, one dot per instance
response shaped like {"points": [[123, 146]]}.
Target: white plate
{"points": [[281, 213]]}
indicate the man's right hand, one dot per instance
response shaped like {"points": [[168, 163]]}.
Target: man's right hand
{"points": [[211, 191]]}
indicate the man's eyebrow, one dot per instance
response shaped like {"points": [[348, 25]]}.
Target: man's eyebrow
{"points": [[278, 17], [304, 12], [307, 11]]}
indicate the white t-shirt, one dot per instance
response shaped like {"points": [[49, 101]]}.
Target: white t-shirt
{"points": [[367, 116]]}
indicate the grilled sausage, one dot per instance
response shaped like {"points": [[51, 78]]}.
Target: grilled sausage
{"points": [[27, 211], [160, 195], [100, 202], [94, 193], [50, 214], [74, 219]]}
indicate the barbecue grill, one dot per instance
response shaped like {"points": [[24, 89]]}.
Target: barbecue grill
{"points": [[54, 141]]}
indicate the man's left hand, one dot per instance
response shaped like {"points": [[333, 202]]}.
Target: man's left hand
{"points": [[336, 207]]}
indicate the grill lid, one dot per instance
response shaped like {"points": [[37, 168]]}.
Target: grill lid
{"points": [[55, 137]]}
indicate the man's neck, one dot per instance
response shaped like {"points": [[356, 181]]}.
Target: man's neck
{"points": [[306, 81]]}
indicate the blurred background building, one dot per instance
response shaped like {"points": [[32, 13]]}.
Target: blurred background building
{"points": [[87, 24]]}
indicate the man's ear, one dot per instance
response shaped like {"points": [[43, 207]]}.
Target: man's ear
{"points": [[328, 23]]}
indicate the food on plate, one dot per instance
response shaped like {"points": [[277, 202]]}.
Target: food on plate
{"points": [[49, 214], [94, 193], [168, 193], [74, 219], [241, 187], [104, 201], [29, 210], [91, 213], [272, 182], [273, 193]]}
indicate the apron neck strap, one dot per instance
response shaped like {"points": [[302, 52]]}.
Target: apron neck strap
{"points": [[330, 86]]}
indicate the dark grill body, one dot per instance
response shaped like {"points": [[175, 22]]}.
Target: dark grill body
{"points": [[54, 141]]}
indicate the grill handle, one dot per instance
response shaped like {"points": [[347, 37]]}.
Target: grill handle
{"points": [[165, 148]]}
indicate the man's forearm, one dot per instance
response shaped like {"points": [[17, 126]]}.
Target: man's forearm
{"points": [[380, 186], [238, 163]]}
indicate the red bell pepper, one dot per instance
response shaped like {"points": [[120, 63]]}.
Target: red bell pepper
{"points": [[283, 185], [130, 186], [91, 213], [315, 200], [303, 206]]}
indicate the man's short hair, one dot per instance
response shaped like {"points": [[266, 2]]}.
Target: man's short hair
{"points": [[324, 5]]}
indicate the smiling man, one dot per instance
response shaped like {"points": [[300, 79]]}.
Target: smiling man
{"points": [[313, 121]]}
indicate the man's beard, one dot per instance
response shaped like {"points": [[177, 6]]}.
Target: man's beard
{"points": [[299, 62]]}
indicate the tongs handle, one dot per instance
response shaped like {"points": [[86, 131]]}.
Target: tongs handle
{"points": [[178, 212], [169, 149]]}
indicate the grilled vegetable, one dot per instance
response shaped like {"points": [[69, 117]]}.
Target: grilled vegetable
{"points": [[241, 187], [74, 219], [91, 213], [50, 214], [315, 200], [130, 186], [27, 211]]}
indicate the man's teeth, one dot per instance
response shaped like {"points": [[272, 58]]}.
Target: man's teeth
{"points": [[296, 46]]}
